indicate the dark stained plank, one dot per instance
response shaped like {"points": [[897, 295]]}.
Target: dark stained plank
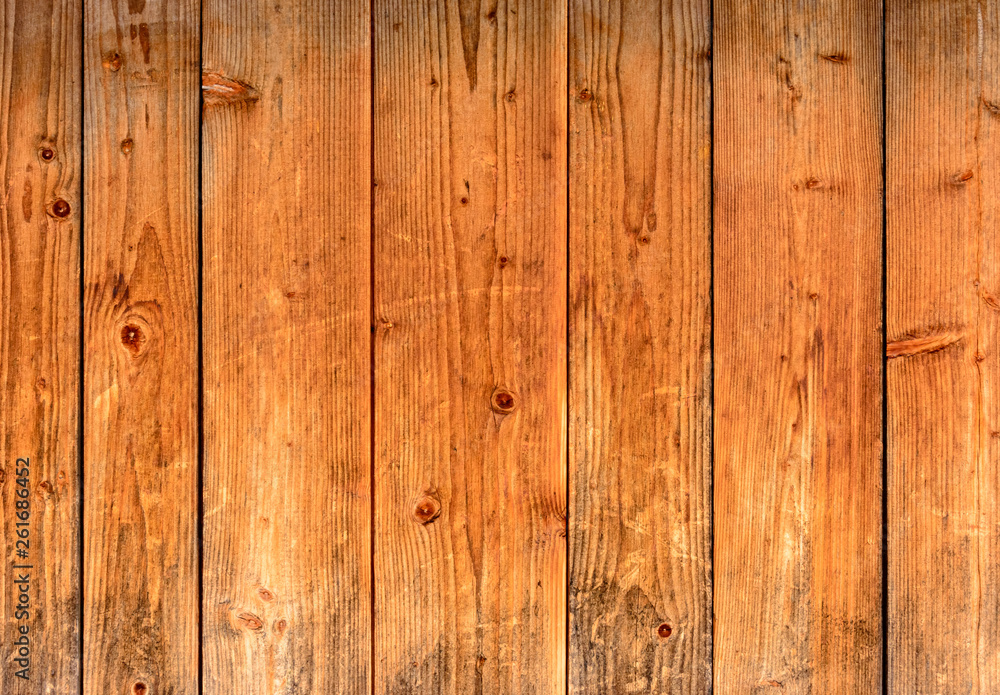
{"points": [[141, 347], [39, 345], [942, 65], [287, 336], [640, 583], [470, 351], [798, 343]]}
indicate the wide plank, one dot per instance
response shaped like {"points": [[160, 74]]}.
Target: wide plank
{"points": [[287, 347], [470, 346], [40, 148], [942, 178], [798, 346], [141, 346], [640, 531]]}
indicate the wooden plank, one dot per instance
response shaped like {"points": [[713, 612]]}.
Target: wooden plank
{"points": [[470, 351], [640, 584], [287, 309], [942, 64], [39, 345], [141, 346], [798, 343]]}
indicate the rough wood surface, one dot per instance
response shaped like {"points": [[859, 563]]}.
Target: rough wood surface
{"points": [[942, 65], [798, 346], [640, 365], [39, 344], [141, 347], [470, 352], [287, 335]]}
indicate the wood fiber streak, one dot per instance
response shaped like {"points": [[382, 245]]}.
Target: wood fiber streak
{"points": [[140, 347], [640, 365], [39, 336], [470, 352], [287, 340], [942, 70], [798, 347]]}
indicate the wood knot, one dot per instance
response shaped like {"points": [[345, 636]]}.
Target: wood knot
{"points": [[426, 510], [962, 177], [503, 401], [503, 261], [280, 626], [250, 621], [127, 146], [509, 97], [47, 154], [45, 488], [113, 61], [664, 631], [265, 594], [139, 688], [133, 338], [838, 58], [219, 90], [59, 208], [585, 95]]}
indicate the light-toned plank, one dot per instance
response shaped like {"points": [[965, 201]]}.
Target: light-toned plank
{"points": [[39, 345], [942, 65], [798, 346], [140, 347], [470, 320], [640, 364], [287, 186]]}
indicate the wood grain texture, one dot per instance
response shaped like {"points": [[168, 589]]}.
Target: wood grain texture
{"points": [[40, 145], [942, 69], [141, 347], [798, 346], [640, 582], [470, 351], [287, 347]]}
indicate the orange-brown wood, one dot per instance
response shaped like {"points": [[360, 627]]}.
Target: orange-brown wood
{"points": [[39, 346], [798, 347], [942, 178], [141, 347], [287, 336], [640, 335], [470, 347]]}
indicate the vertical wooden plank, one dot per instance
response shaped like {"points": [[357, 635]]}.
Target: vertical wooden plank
{"points": [[942, 65], [141, 346], [798, 345], [39, 345], [640, 339], [470, 302], [287, 336]]}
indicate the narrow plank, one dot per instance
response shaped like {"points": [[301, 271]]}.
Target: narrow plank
{"points": [[470, 351], [39, 345], [141, 346], [640, 585], [287, 346], [942, 64], [798, 346]]}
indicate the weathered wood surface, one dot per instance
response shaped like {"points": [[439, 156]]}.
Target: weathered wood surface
{"points": [[640, 584], [40, 344], [798, 346], [942, 64], [286, 204], [140, 630], [470, 347]]}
